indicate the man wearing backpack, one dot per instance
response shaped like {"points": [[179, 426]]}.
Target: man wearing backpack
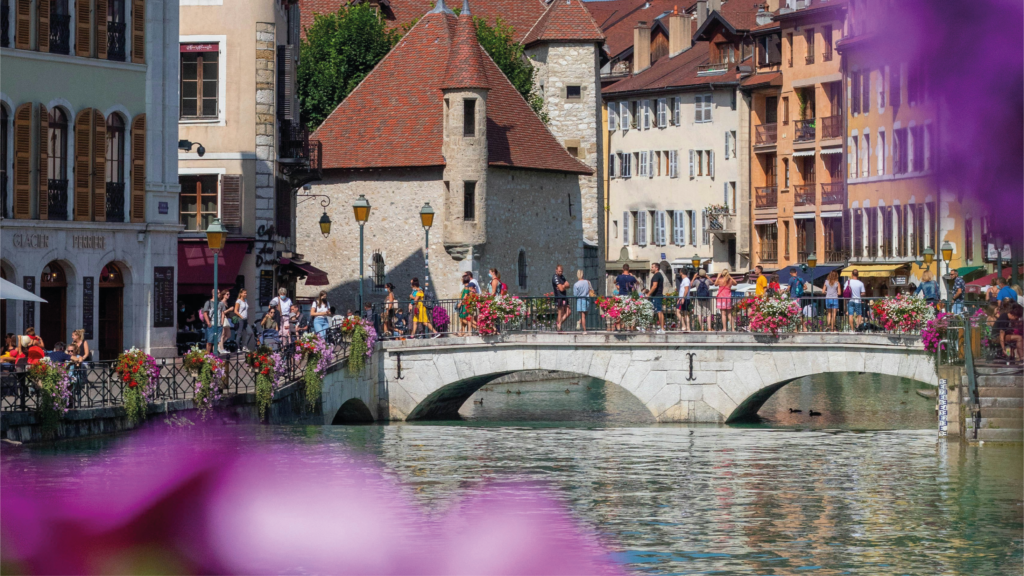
{"points": [[796, 286], [701, 291]]}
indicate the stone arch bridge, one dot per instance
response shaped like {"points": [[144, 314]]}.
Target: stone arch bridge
{"points": [[679, 377]]}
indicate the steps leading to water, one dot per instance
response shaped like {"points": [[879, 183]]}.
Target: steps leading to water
{"points": [[1001, 400]]}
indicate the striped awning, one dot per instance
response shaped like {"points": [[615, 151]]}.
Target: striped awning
{"points": [[833, 150], [803, 153]]}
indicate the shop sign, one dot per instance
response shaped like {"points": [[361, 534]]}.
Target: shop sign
{"points": [[898, 280], [30, 240], [266, 287], [993, 254], [163, 296], [81, 242], [88, 301]]}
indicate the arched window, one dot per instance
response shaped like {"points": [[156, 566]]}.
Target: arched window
{"points": [[57, 154], [115, 149], [521, 265], [378, 271], [53, 276], [110, 277]]}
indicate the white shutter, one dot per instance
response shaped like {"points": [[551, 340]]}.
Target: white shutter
{"points": [[624, 114], [678, 238], [641, 227], [673, 163], [626, 217], [650, 164], [645, 114], [727, 137], [611, 165], [692, 167], [693, 228], [642, 169], [698, 109], [880, 152], [707, 107], [725, 194], [613, 117], [711, 163], [704, 227], [662, 113]]}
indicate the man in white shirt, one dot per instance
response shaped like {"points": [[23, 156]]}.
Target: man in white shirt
{"points": [[856, 306], [284, 306], [473, 282], [683, 304]]}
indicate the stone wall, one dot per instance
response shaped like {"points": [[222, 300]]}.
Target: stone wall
{"points": [[527, 210], [575, 123]]}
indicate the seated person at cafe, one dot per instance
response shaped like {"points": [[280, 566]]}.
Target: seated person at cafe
{"points": [[58, 355], [11, 352], [1011, 329]]}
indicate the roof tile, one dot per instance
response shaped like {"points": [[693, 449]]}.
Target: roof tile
{"points": [[565, 20]]}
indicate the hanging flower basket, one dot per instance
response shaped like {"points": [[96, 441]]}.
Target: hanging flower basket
{"points": [[500, 311], [771, 314], [903, 313], [208, 370], [318, 356], [263, 362], [54, 383], [139, 373]]}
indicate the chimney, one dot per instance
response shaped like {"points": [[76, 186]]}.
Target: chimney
{"points": [[676, 35], [762, 16], [714, 6], [641, 47], [702, 12]]}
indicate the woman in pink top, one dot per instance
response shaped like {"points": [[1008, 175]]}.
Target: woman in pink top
{"points": [[724, 298]]}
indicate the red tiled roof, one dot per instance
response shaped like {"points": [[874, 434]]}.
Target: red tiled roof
{"points": [[765, 79], [393, 119], [618, 18], [565, 20], [679, 71], [465, 60]]}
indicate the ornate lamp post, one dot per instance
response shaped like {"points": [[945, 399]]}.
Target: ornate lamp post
{"points": [[427, 220], [361, 210], [695, 260], [812, 260], [216, 235]]}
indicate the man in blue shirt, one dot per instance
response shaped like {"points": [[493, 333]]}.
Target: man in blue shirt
{"points": [[58, 355], [959, 289], [626, 282], [1005, 291]]}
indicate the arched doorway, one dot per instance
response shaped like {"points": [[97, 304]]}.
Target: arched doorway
{"points": [[111, 342], [53, 287]]}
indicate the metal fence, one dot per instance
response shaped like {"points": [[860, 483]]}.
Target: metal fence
{"points": [[96, 385], [450, 317]]}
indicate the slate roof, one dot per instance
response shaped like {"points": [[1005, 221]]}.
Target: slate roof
{"points": [[393, 119], [565, 20]]}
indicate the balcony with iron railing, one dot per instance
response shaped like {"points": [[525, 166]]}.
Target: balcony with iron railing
{"points": [[116, 41], [804, 130], [834, 256], [301, 159], [831, 127], [766, 197], [115, 202], [769, 251], [713, 69], [5, 25], [826, 56], [803, 195], [57, 199], [766, 134], [722, 221], [809, 59], [833, 193], [60, 33]]}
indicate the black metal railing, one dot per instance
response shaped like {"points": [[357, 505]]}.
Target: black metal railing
{"points": [[57, 199], [766, 197], [296, 145], [765, 134], [831, 127], [833, 193], [836, 256], [60, 33], [116, 41], [805, 130], [96, 385], [115, 202], [804, 195], [5, 25], [707, 314]]}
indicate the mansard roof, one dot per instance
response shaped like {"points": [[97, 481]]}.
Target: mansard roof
{"points": [[394, 118]]}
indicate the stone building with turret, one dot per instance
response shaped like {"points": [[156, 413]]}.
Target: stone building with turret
{"points": [[437, 122]]}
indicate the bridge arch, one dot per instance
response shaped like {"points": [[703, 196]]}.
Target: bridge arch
{"points": [[352, 411], [679, 378]]}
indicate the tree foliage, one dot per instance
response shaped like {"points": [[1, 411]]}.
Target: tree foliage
{"points": [[499, 43], [340, 49]]}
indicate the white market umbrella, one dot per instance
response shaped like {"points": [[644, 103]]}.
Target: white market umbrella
{"points": [[10, 291]]}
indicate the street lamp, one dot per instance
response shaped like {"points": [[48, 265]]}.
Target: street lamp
{"points": [[216, 235], [361, 209], [695, 260], [947, 257], [812, 260], [427, 220], [325, 224]]}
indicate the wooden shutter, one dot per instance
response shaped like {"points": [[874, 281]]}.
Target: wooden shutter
{"points": [[844, 243], [43, 185], [101, 29], [83, 29], [99, 164], [43, 25], [231, 201], [138, 207], [22, 159], [286, 82], [83, 180], [139, 33], [22, 30]]}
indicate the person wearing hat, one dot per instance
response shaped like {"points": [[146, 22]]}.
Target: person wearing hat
{"points": [[700, 291]]}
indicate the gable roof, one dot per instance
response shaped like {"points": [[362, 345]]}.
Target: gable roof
{"points": [[679, 71], [565, 20], [393, 119], [618, 18]]}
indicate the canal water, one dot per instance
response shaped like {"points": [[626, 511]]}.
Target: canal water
{"points": [[865, 488]]}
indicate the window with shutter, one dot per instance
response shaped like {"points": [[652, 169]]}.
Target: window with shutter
{"points": [[662, 113], [23, 26], [198, 201], [613, 117], [83, 28], [646, 112], [711, 163], [199, 80], [626, 165], [641, 228], [650, 164], [880, 153], [101, 29], [139, 31], [725, 194], [693, 172], [693, 227], [676, 115], [283, 209], [611, 165], [678, 234], [732, 140], [727, 136], [42, 167], [643, 164], [99, 172], [286, 82], [83, 180], [42, 25], [231, 202], [626, 217], [673, 163], [704, 228], [138, 180], [624, 113], [22, 159]]}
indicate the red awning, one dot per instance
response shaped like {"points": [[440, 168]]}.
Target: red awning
{"points": [[195, 264], [314, 276], [986, 280]]}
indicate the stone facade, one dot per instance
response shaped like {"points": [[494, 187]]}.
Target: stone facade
{"points": [[527, 210], [680, 378], [575, 123]]}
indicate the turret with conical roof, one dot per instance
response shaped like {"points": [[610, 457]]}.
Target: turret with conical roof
{"points": [[465, 90]]}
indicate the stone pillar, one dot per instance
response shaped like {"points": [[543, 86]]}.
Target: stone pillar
{"points": [[266, 154]]}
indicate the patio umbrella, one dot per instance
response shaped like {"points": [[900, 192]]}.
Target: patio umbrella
{"points": [[10, 291]]}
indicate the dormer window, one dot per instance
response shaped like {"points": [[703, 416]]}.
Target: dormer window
{"points": [[469, 117]]}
